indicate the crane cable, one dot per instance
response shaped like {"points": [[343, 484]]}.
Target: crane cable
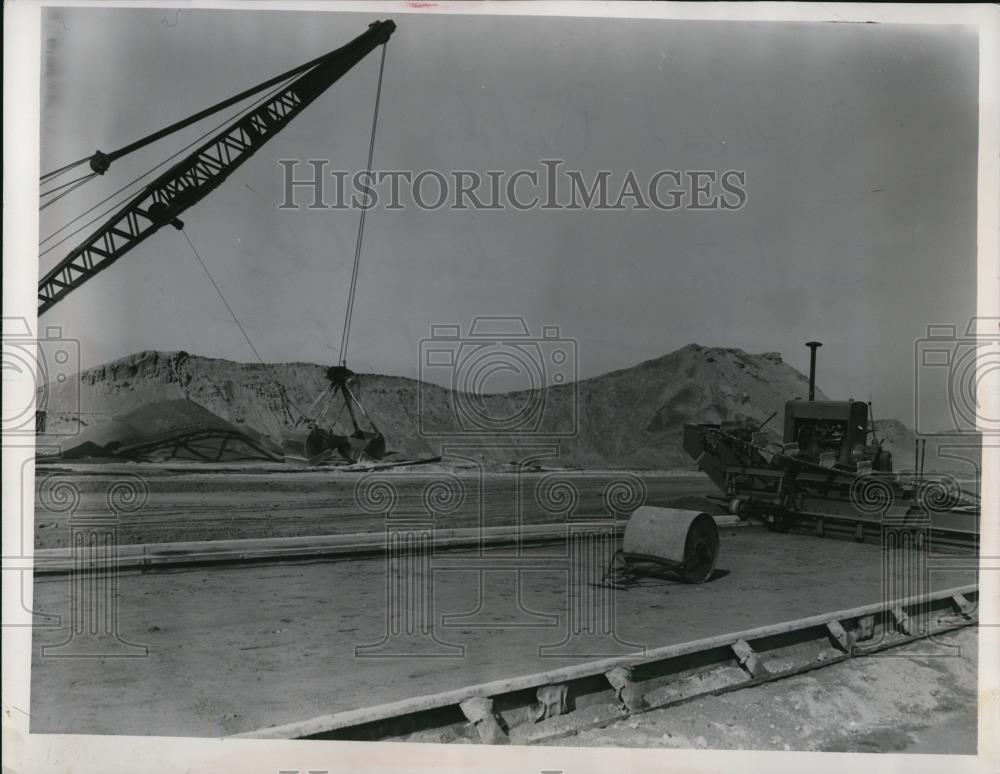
{"points": [[66, 168], [239, 325], [345, 336], [357, 258], [75, 183], [194, 118]]}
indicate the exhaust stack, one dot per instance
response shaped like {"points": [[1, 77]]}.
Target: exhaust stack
{"points": [[813, 346]]}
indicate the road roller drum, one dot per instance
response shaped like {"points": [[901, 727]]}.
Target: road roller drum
{"points": [[686, 542]]}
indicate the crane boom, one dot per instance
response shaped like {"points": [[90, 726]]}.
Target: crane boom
{"points": [[199, 173]]}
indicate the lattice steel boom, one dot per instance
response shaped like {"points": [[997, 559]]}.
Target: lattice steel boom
{"points": [[193, 178]]}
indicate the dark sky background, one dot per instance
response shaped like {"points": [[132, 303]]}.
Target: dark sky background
{"points": [[859, 143]]}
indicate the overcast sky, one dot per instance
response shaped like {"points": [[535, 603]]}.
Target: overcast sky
{"points": [[859, 143]]}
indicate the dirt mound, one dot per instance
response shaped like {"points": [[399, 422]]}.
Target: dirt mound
{"points": [[170, 429], [632, 418]]}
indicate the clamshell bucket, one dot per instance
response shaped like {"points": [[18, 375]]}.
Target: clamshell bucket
{"points": [[361, 446], [314, 445], [310, 442], [306, 444]]}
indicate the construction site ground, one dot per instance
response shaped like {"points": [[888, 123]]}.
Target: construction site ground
{"points": [[240, 647], [224, 502]]}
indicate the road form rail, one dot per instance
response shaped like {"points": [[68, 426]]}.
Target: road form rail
{"points": [[548, 705], [152, 556], [149, 556], [165, 556]]}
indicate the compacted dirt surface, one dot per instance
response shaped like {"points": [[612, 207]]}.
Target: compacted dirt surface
{"points": [[918, 698], [200, 502], [237, 648]]}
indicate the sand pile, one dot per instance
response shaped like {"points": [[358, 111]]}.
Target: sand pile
{"points": [[631, 418], [170, 429]]}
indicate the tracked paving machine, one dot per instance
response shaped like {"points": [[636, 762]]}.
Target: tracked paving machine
{"points": [[830, 473]]}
